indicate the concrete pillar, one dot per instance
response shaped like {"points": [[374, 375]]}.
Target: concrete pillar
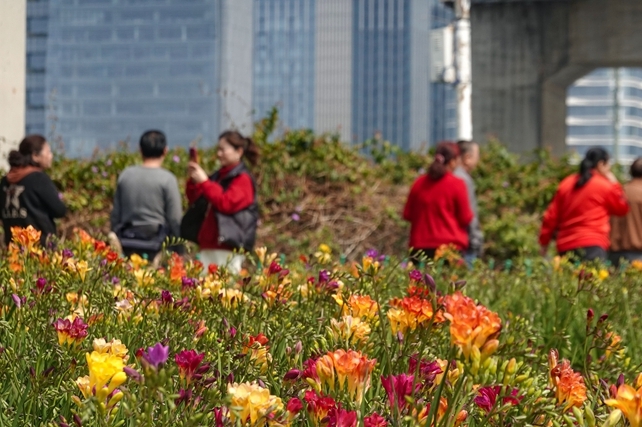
{"points": [[333, 68], [236, 65], [13, 32]]}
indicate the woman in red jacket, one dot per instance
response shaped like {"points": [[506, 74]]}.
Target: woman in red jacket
{"points": [[580, 210], [232, 215], [437, 207]]}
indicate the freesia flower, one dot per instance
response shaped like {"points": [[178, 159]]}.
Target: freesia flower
{"points": [[251, 402], [70, 332], [318, 405], [156, 355], [350, 329], [569, 385], [487, 397], [339, 417], [629, 401], [398, 387], [188, 362], [346, 365], [374, 420]]}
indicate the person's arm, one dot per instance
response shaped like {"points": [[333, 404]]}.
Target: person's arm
{"points": [[408, 209], [48, 194], [173, 207], [238, 196], [193, 191], [115, 216], [462, 205], [616, 203], [549, 222]]}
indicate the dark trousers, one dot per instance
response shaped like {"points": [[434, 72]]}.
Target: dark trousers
{"points": [[628, 256], [588, 253]]}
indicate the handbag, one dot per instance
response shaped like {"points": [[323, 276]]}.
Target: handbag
{"points": [[193, 220]]}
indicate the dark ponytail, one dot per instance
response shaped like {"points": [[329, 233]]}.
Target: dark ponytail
{"points": [[445, 153], [23, 156], [250, 149], [593, 156]]}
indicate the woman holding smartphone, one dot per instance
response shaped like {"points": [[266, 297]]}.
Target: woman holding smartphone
{"points": [[232, 215], [581, 209]]}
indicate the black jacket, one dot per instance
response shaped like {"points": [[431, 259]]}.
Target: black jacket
{"points": [[31, 201], [239, 229]]}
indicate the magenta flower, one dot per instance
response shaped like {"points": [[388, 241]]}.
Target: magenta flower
{"points": [[416, 275], [426, 371], [487, 397], [397, 388], [132, 373], [156, 355], [188, 362], [296, 217], [375, 420], [16, 300], [338, 417]]}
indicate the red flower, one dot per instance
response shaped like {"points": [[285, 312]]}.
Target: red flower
{"points": [[375, 420], [294, 405], [487, 397], [397, 388], [260, 338], [212, 269], [188, 362], [319, 406], [310, 370]]}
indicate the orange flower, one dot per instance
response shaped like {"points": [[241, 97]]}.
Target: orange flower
{"points": [[441, 411], [15, 264], [569, 385], [176, 268], [346, 365], [471, 325], [83, 236], [411, 313], [27, 238], [358, 306], [629, 401]]}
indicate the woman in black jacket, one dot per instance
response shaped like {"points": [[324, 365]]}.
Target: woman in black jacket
{"points": [[27, 194]]}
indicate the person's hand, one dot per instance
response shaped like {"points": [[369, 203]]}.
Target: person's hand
{"points": [[604, 169], [610, 176], [196, 173]]}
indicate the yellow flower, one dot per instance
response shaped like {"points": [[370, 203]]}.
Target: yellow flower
{"points": [[324, 254], [350, 329], [137, 261], [369, 263], [260, 253], [83, 385], [232, 297], [250, 402], [143, 278], [104, 369], [629, 401], [399, 321], [603, 274]]}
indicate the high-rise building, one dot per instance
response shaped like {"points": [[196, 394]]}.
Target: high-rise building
{"points": [[115, 69], [36, 102], [602, 105]]}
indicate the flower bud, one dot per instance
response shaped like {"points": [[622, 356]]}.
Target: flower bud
{"points": [[590, 314], [613, 419]]}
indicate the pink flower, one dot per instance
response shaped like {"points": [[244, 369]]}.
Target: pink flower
{"points": [[487, 397], [375, 420], [188, 362], [338, 417], [397, 388]]}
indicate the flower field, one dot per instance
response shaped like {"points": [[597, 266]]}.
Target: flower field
{"points": [[87, 338]]}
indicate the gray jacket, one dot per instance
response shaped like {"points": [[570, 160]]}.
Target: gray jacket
{"points": [[475, 234]]}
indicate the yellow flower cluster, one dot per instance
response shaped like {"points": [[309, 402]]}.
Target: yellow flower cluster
{"points": [[360, 306], [350, 329], [253, 405]]}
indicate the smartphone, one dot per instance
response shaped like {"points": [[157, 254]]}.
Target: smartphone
{"points": [[193, 155]]}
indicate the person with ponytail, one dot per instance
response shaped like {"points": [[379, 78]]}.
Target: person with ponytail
{"points": [[581, 209], [231, 217], [28, 197], [437, 207]]}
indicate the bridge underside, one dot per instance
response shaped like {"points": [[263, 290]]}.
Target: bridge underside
{"points": [[526, 53]]}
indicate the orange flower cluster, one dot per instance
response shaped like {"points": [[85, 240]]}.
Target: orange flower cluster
{"points": [[472, 327], [27, 238], [422, 417], [409, 313], [629, 401], [176, 268], [361, 306], [569, 385], [341, 365]]}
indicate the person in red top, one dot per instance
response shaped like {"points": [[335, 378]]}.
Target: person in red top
{"points": [[232, 215], [581, 209], [437, 207]]}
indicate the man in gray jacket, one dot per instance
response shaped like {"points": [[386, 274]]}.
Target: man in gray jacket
{"points": [[469, 152], [147, 204]]}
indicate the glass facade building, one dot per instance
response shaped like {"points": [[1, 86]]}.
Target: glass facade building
{"points": [[592, 103], [284, 60], [36, 111], [115, 69]]}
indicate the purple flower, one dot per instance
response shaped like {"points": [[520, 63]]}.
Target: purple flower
{"points": [[372, 253], [324, 276], [187, 282], [295, 217], [94, 169], [166, 297], [176, 159], [16, 300], [132, 373], [66, 253], [108, 162], [115, 280], [156, 355], [41, 283], [105, 174]]}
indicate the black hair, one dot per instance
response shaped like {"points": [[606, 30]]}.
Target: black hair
{"points": [[593, 156], [153, 144], [238, 141], [465, 147], [636, 168], [23, 156]]}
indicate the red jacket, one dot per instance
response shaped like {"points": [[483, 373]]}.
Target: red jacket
{"points": [[439, 212], [238, 196], [581, 217]]}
